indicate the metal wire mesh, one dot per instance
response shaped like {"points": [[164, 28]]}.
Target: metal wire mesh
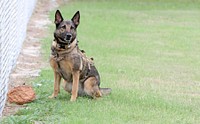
{"points": [[14, 16]]}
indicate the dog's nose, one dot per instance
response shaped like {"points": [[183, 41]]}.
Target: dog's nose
{"points": [[68, 36]]}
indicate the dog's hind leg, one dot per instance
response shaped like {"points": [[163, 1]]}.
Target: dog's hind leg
{"points": [[91, 87]]}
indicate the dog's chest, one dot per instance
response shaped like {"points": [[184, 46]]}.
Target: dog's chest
{"points": [[65, 65], [64, 68]]}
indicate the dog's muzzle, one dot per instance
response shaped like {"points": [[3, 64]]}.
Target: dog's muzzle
{"points": [[68, 37]]}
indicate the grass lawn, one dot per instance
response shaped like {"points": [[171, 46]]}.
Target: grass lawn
{"points": [[147, 51]]}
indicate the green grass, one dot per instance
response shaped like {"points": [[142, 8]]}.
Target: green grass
{"points": [[147, 51]]}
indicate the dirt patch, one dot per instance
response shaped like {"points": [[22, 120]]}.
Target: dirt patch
{"points": [[29, 61]]}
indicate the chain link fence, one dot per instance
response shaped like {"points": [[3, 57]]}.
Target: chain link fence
{"points": [[14, 16]]}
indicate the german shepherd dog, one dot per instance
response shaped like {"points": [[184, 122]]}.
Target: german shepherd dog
{"points": [[70, 63]]}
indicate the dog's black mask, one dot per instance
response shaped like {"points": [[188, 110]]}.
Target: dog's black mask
{"points": [[65, 32]]}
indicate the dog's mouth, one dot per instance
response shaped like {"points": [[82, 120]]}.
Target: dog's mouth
{"points": [[67, 39]]}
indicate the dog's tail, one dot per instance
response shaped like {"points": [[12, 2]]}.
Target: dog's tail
{"points": [[105, 91]]}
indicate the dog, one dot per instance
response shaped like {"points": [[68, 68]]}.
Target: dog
{"points": [[70, 63]]}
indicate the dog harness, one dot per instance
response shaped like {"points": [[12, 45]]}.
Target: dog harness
{"points": [[87, 68]]}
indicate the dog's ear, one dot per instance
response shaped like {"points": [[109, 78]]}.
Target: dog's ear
{"points": [[76, 19], [58, 18]]}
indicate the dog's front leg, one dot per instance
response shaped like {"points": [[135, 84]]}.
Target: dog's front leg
{"points": [[75, 85], [57, 79]]}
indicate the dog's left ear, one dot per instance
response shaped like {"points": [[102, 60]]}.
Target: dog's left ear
{"points": [[76, 19]]}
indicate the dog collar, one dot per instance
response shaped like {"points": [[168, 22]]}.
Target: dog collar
{"points": [[59, 45], [60, 53], [62, 44]]}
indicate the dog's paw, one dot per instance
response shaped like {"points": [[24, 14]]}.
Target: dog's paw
{"points": [[73, 99], [52, 97]]}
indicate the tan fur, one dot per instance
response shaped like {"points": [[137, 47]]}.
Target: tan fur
{"points": [[67, 67]]}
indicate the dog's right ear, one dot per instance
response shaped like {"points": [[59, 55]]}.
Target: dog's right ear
{"points": [[58, 18], [76, 19]]}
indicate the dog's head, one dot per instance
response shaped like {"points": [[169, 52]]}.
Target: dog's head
{"points": [[65, 32]]}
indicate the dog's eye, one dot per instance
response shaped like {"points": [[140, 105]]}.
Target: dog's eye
{"points": [[62, 29], [63, 26], [72, 27]]}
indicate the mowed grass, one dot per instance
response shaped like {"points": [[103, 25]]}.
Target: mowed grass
{"points": [[147, 51]]}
